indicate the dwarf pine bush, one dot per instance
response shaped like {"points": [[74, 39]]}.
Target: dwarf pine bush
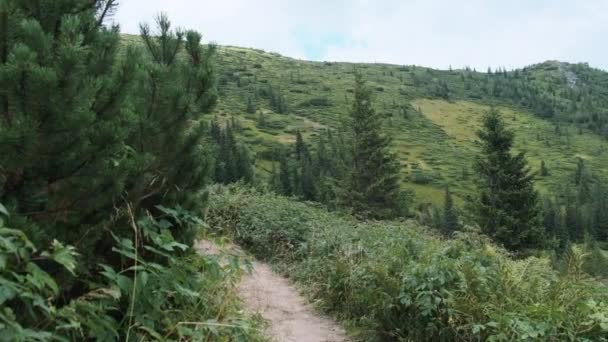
{"points": [[94, 138]]}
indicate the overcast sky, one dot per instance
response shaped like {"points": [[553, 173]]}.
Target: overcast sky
{"points": [[435, 33]]}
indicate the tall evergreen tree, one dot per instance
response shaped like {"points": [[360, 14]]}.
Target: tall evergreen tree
{"points": [[285, 177], [250, 106], [300, 147], [507, 204], [371, 186], [544, 172], [450, 214], [232, 160]]}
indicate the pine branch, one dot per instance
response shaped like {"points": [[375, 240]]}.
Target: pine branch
{"points": [[108, 8]]}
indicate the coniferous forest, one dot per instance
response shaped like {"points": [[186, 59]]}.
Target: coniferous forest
{"points": [[407, 203]]}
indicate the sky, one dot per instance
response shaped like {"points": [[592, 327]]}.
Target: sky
{"points": [[432, 33]]}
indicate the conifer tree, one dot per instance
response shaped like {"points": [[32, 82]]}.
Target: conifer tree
{"points": [[285, 179], [250, 106], [233, 161], [228, 156], [65, 110], [371, 186], [174, 92], [216, 131], [304, 176], [307, 180], [300, 147], [507, 204], [244, 165], [544, 172], [450, 215]]}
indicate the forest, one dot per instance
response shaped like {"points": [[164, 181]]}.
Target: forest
{"points": [[407, 203]]}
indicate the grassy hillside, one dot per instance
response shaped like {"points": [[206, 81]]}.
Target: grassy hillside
{"points": [[432, 114]]}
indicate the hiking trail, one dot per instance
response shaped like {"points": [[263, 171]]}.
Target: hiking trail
{"points": [[277, 300]]}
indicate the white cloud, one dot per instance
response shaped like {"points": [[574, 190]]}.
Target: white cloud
{"points": [[437, 33]]}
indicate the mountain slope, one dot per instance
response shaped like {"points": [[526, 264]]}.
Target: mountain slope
{"points": [[432, 114]]}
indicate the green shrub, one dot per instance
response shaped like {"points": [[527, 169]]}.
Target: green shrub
{"points": [[421, 177], [398, 281], [316, 102], [163, 291]]}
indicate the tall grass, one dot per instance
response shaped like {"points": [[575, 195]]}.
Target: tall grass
{"points": [[398, 281]]}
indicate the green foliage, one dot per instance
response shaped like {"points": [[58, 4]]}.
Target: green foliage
{"points": [[172, 93], [418, 176], [596, 263], [543, 172], [65, 113], [94, 137], [157, 294], [426, 129], [450, 222], [276, 100], [233, 160], [397, 281], [506, 208], [250, 106], [371, 185]]}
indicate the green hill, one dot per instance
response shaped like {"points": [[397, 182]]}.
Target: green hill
{"points": [[556, 109]]}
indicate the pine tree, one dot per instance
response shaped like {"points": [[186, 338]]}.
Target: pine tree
{"points": [[216, 131], [304, 174], [233, 161], [580, 172], [450, 214], [65, 110], [307, 180], [300, 147], [583, 179], [244, 165], [507, 204], [465, 173], [274, 183], [229, 155], [544, 172], [285, 177], [173, 92], [250, 106], [371, 186], [600, 207]]}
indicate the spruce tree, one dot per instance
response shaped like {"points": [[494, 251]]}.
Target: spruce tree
{"points": [[304, 173], [300, 146], [285, 176], [371, 186], [250, 106], [507, 204], [244, 165], [544, 172], [450, 214]]}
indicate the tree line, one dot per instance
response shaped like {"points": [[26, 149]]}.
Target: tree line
{"points": [[351, 167]]}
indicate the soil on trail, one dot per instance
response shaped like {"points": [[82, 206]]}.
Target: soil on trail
{"points": [[289, 316]]}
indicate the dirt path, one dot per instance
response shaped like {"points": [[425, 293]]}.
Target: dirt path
{"points": [[290, 318]]}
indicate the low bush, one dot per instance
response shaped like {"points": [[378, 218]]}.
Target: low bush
{"points": [[398, 281], [163, 291], [316, 102], [418, 176]]}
